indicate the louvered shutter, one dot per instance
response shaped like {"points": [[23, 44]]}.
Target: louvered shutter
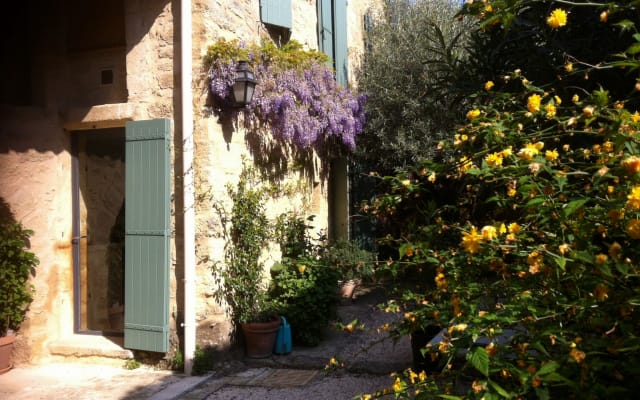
{"points": [[147, 201], [325, 26], [340, 41], [276, 12]]}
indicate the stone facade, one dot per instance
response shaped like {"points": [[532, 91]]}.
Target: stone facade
{"points": [[76, 90]]}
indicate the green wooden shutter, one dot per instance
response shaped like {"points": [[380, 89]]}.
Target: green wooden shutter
{"points": [[325, 28], [276, 12], [147, 200], [340, 41]]}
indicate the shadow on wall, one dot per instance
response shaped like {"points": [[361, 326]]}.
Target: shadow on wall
{"points": [[6, 215]]}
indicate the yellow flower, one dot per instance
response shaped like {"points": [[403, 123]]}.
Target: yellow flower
{"points": [[557, 18], [601, 292], [635, 117], [302, 268], [631, 164], [551, 110], [604, 16], [489, 232], [633, 228], [575, 98], [607, 146], [615, 249], [568, 67], [557, 99], [432, 177], [511, 192], [471, 240], [528, 151], [397, 385], [514, 228], [601, 258], [422, 376], [564, 248], [473, 114], [533, 103], [494, 160], [577, 355], [551, 155], [507, 152], [633, 199], [465, 164], [488, 85], [406, 182], [503, 229], [588, 111]]}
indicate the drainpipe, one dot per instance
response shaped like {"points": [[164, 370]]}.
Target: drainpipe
{"points": [[188, 189]]}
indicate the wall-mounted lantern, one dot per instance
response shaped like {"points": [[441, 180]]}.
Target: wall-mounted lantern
{"points": [[244, 85]]}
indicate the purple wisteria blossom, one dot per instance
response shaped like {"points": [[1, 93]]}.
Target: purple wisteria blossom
{"points": [[303, 107]]}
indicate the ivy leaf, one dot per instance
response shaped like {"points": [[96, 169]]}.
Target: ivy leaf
{"points": [[479, 359]]}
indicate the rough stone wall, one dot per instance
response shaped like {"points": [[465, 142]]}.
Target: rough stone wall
{"points": [[35, 147], [219, 150], [35, 183]]}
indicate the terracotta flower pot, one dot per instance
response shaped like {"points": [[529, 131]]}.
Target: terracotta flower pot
{"points": [[347, 288], [6, 348], [260, 338]]}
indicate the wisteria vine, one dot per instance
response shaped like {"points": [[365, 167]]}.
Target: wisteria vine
{"points": [[297, 98]]}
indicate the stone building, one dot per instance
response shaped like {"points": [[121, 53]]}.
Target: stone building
{"points": [[89, 88]]}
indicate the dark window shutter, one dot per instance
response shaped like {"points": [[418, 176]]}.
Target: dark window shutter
{"points": [[340, 41], [147, 202], [276, 12]]}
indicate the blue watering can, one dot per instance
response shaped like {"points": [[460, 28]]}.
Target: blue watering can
{"points": [[283, 340]]}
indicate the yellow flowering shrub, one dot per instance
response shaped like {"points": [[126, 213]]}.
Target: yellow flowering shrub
{"points": [[525, 248]]}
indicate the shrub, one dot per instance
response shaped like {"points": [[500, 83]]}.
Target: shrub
{"points": [[16, 265], [305, 290], [535, 260], [302, 285]]}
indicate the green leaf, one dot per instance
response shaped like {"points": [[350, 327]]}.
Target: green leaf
{"points": [[561, 262], [633, 49], [548, 368], [535, 201], [479, 359], [542, 393], [574, 206], [501, 391]]}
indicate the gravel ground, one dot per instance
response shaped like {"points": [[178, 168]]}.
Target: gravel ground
{"points": [[345, 386]]}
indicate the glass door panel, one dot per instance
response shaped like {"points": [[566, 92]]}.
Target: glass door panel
{"points": [[99, 187]]}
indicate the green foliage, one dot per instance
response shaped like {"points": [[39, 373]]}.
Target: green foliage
{"points": [[16, 265], [530, 224], [413, 76], [291, 233], [202, 361], [303, 286], [291, 55], [305, 290], [177, 361], [132, 364], [351, 261], [240, 280]]}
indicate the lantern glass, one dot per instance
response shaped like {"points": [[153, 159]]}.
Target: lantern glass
{"points": [[244, 85]]}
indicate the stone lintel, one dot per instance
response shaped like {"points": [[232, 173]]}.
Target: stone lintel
{"points": [[99, 117]]}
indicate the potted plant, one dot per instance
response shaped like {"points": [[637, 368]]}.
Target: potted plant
{"points": [[241, 281], [352, 262], [16, 264]]}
